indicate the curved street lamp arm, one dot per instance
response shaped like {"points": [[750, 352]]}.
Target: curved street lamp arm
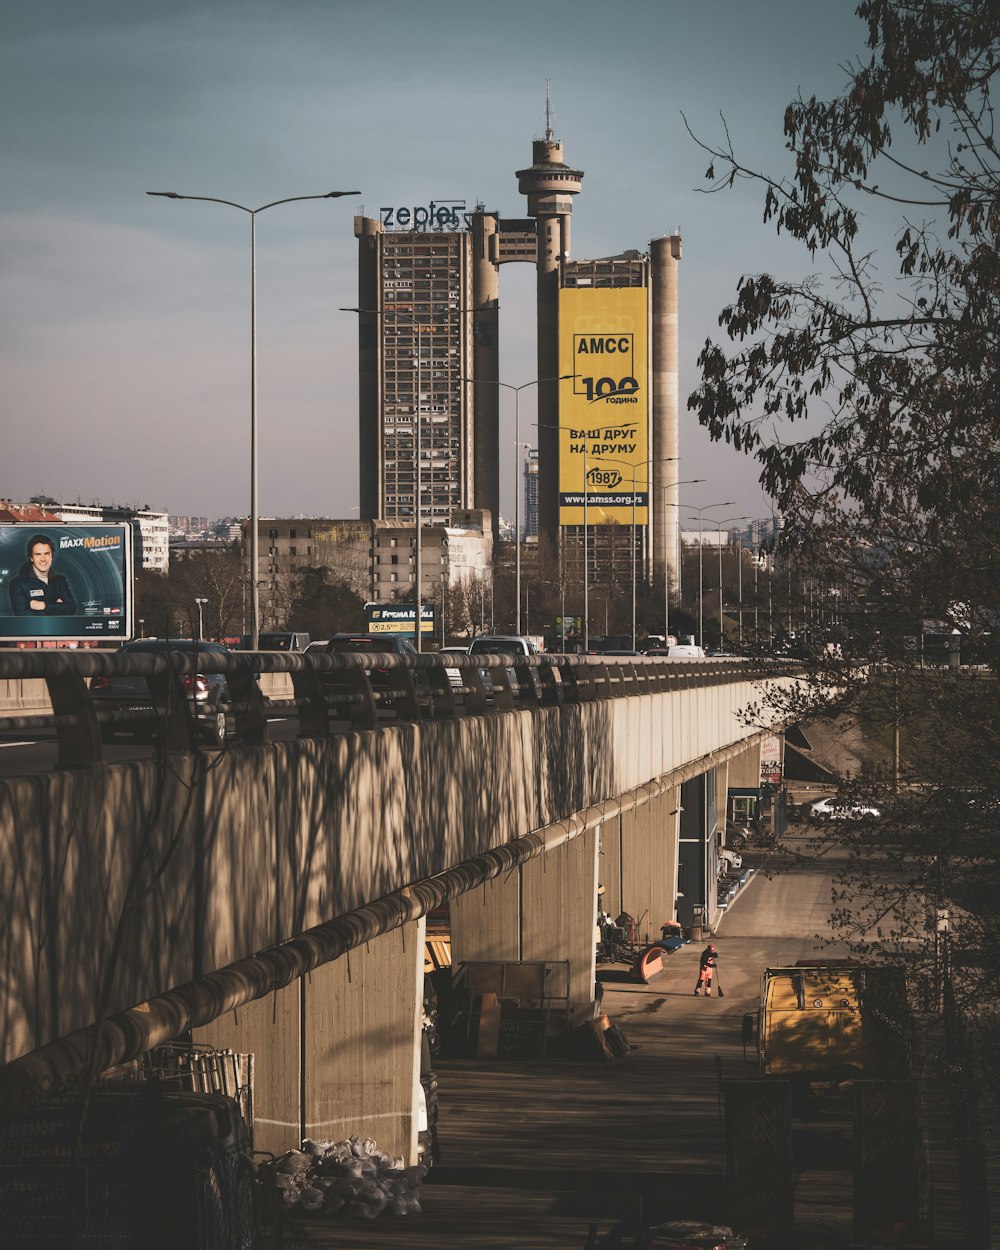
{"points": [[211, 199], [328, 195], [208, 199]]}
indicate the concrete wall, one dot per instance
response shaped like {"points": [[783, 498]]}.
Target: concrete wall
{"points": [[181, 869], [337, 1053], [744, 769]]}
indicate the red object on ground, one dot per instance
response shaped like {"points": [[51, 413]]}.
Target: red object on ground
{"points": [[648, 964]]}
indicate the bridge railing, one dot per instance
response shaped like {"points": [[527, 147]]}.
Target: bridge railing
{"points": [[331, 693]]}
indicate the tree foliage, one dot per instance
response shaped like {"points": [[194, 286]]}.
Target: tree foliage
{"points": [[867, 392], [878, 386]]}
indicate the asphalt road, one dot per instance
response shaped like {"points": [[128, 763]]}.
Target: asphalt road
{"points": [[28, 754]]}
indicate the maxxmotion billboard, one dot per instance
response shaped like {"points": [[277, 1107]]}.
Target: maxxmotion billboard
{"points": [[68, 583], [604, 410]]}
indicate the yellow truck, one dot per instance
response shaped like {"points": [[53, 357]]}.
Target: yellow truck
{"points": [[830, 1022]]}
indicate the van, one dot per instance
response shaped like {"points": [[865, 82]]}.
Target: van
{"points": [[502, 644], [282, 640]]}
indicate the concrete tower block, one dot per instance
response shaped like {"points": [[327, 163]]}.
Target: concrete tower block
{"points": [[665, 257]]}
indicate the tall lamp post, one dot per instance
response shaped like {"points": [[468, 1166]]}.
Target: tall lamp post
{"points": [[201, 623], [418, 567], [691, 481], [726, 503], [254, 510], [509, 386], [586, 553], [719, 524]]}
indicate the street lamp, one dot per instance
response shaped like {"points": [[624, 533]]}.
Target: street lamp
{"points": [[726, 503], [719, 525], [691, 481], [586, 555], [635, 467], [254, 512], [201, 623], [509, 386], [418, 485]]}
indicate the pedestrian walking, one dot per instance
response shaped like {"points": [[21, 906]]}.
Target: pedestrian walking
{"points": [[709, 959]]}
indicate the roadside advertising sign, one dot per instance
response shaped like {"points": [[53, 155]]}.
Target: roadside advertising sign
{"points": [[65, 583], [770, 760], [604, 409], [399, 619]]}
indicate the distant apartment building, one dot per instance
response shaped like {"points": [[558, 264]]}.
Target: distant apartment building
{"points": [[188, 524], [530, 522], [150, 532], [428, 361], [376, 558]]}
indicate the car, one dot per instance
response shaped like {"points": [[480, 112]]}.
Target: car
{"points": [[679, 651], [208, 693], [456, 676], [834, 808], [277, 640], [729, 861], [384, 644], [385, 683], [502, 644], [512, 645], [317, 646], [737, 836]]}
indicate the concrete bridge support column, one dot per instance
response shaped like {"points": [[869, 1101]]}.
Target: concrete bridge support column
{"points": [[338, 1052], [544, 911], [558, 911], [270, 1029], [638, 862]]}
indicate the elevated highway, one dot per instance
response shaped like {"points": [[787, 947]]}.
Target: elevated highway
{"points": [[270, 896]]}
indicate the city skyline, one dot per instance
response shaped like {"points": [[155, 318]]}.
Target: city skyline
{"points": [[125, 321]]}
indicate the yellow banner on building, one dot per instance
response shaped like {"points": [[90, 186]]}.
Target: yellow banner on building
{"points": [[604, 410]]}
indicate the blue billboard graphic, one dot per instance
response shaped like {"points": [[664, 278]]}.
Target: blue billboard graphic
{"points": [[65, 583]]}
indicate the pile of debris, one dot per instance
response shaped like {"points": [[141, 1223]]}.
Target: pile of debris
{"points": [[351, 1179]]}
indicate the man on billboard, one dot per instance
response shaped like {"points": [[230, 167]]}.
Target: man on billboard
{"points": [[36, 588]]}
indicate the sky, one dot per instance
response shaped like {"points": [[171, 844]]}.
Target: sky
{"points": [[125, 319]]}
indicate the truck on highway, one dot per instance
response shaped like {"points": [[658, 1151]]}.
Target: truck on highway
{"points": [[828, 1023]]}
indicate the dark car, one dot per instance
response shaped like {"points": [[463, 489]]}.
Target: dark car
{"points": [[208, 693], [386, 644], [390, 686]]}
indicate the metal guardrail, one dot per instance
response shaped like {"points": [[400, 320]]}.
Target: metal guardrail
{"points": [[338, 693]]}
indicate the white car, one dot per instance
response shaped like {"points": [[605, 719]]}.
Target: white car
{"points": [[729, 861], [833, 808]]}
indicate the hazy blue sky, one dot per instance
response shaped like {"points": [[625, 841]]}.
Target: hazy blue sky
{"points": [[124, 320]]}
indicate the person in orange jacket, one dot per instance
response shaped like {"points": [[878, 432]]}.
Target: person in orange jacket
{"points": [[709, 959]]}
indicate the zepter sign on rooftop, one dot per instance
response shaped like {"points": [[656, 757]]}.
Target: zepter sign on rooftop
{"points": [[65, 583], [604, 408]]}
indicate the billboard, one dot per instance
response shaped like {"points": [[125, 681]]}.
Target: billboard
{"points": [[65, 583], [399, 619], [604, 408]]}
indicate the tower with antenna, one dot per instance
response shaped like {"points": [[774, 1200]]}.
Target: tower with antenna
{"points": [[550, 185]]}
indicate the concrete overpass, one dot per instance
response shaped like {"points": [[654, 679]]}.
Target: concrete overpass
{"points": [[270, 897]]}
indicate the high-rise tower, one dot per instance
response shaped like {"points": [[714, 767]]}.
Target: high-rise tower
{"points": [[428, 361], [550, 184]]}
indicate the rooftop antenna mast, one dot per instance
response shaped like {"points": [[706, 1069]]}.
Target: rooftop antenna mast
{"points": [[548, 111]]}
